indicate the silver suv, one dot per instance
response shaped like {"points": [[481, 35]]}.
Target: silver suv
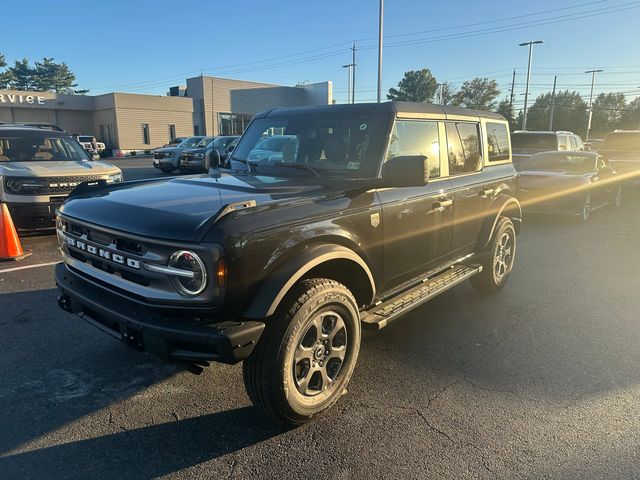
{"points": [[525, 143], [38, 168]]}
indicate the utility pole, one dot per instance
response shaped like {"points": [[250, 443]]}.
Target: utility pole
{"points": [[380, 21], [553, 103], [353, 75], [593, 81], [513, 92], [526, 92]]}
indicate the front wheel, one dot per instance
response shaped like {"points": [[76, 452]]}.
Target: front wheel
{"points": [[498, 259], [307, 353]]}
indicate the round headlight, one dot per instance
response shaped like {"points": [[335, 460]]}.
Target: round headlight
{"points": [[14, 185], [191, 283]]}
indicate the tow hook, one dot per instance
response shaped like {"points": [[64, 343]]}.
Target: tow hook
{"points": [[64, 303]]}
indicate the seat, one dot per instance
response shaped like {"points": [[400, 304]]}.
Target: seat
{"points": [[335, 149], [3, 157], [43, 150]]}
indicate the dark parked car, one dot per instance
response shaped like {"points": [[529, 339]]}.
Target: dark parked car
{"points": [[575, 183], [167, 159], [529, 142], [281, 260], [621, 149], [192, 160]]}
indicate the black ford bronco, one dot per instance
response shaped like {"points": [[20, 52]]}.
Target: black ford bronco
{"points": [[352, 216]]}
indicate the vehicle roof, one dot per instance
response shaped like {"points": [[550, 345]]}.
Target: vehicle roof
{"points": [[24, 130], [36, 125], [394, 108]]}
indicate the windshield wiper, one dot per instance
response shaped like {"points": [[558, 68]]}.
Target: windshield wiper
{"points": [[300, 166]]}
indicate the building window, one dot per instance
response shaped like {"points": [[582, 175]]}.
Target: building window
{"points": [[497, 141], [172, 132], [233, 123], [196, 130], [145, 134]]}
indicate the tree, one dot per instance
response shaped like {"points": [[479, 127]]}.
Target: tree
{"points": [[45, 76], [480, 93], [445, 93], [22, 75], [506, 110], [570, 112], [630, 118], [5, 77], [415, 86], [607, 112]]}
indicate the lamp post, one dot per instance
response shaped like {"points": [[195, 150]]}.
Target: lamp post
{"points": [[526, 92], [380, 19], [348, 66], [593, 81]]}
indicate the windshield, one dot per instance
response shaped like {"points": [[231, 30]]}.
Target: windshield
{"points": [[223, 142], [562, 162], [190, 142], [204, 142], [347, 144], [534, 141], [622, 141], [39, 147]]}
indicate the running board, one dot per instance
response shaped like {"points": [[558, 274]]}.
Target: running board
{"points": [[383, 314]]}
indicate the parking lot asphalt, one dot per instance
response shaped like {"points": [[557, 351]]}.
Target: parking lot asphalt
{"points": [[538, 381]]}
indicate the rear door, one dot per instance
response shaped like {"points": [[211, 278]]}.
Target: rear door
{"points": [[417, 222], [472, 187]]}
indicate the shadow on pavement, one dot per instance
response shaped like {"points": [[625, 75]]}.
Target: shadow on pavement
{"points": [[146, 452]]}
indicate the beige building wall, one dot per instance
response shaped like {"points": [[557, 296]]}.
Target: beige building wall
{"points": [[132, 111]]}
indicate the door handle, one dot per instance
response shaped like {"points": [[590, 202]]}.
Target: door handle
{"points": [[486, 192], [440, 205]]}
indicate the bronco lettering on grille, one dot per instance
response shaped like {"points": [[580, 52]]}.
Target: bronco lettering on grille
{"points": [[102, 253]]}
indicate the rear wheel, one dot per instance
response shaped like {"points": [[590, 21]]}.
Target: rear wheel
{"points": [[307, 353], [498, 260]]}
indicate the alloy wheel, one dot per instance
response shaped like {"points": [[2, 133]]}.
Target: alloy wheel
{"points": [[503, 257], [320, 354]]}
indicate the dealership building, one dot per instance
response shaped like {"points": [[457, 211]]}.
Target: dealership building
{"points": [[126, 121]]}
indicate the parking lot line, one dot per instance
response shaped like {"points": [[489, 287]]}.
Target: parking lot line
{"points": [[25, 267]]}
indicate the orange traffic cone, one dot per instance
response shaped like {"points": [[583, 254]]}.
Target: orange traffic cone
{"points": [[10, 248]]}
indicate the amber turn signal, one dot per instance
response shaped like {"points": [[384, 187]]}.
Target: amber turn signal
{"points": [[221, 273]]}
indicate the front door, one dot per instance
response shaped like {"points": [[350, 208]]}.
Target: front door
{"points": [[416, 221]]}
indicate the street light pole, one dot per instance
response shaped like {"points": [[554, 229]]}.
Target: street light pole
{"points": [[348, 66], [593, 81], [526, 92], [380, 19], [353, 75]]}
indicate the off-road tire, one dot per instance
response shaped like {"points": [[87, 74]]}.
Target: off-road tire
{"points": [[488, 281], [269, 372]]}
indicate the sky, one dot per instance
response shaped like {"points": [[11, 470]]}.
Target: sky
{"points": [[147, 46]]}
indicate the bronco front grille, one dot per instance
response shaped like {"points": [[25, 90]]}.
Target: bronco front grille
{"points": [[51, 185]]}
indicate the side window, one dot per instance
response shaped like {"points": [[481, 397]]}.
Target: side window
{"points": [[572, 143], [497, 141], [463, 150], [415, 137], [563, 143], [579, 144]]}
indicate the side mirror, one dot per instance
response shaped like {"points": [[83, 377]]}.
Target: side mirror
{"points": [[405, 171], [211, 159]]}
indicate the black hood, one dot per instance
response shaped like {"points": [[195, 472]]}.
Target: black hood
{"points": [[182, 208]]}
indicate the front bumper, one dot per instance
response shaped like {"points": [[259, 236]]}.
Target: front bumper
{"points": [[192, 164], [167, 162], [34, 216], [150, 330]]}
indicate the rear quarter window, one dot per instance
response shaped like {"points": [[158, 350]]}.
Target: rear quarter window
{"points": [[498, 142]]}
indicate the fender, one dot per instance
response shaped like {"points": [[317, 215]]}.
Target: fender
{"points": [[502, 204], [280, 281]]}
